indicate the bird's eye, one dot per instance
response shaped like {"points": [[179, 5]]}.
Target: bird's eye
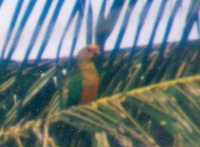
{"points": [[89, 50]]}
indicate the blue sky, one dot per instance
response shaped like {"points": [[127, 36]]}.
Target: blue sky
{"points": [[8, 7]]}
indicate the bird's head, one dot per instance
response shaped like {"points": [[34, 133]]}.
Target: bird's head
{"points": [[88, 52]]}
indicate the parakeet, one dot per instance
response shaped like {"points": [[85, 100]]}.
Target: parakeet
{"points": [[83, 82]]}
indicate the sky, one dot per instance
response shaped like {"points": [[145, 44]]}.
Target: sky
{"points": [[8, 7]]}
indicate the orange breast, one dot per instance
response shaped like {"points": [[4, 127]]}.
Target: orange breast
{"points": [[90, 89]]}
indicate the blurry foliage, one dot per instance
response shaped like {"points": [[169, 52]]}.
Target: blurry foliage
{"points": [[149, 96]]}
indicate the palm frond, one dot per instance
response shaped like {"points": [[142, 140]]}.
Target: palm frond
{"points": [[11, 27], [149, 95], [105, 25], [49, 29], [20, 28], [163, 103]]}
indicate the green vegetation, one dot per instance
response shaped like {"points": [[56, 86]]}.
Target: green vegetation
{"points": [[149, 96]]}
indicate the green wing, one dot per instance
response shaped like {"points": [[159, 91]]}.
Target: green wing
{"points": [[74, 88]]}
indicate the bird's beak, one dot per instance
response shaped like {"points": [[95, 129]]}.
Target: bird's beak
{"points": [[97, 53], [95, 56]]}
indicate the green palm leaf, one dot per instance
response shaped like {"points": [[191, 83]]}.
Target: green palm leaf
{"points": [[172, 105]]}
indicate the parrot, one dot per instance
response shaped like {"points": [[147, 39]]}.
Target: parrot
{"points": [[83, 82], [80, 86]]}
